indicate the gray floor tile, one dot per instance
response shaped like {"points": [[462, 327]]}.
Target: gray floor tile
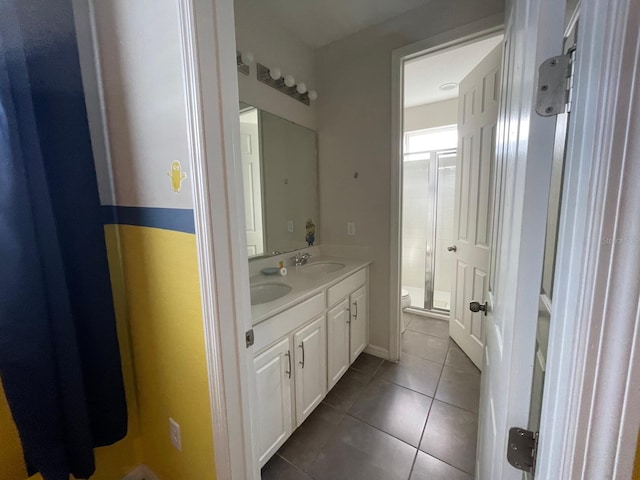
{"points": [[305, 443], [279, 469], [458, 359], [450, 436], [413, 372], [425, 346], [357, 451], [460, 388], [430, 326], [430, 468], [346, 391], [393, 409], [367, 364]]}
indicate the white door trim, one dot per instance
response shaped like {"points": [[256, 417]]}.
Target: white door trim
{"points": [[209, 66], [590, 419], [471, 32]]}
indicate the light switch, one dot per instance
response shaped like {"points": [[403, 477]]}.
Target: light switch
{"points": [[290, 226], [351, 228]]}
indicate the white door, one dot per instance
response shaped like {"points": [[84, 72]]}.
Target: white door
{"points": [[311, 367], [477, 119], [358, 337], [252, 179], [273, 379], [337, 342], [521, 187]]}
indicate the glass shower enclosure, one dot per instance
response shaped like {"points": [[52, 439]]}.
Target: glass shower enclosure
{"points": [[428, 196]]}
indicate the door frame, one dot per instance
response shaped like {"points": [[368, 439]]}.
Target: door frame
{"points": [[485, 28], [207, 31]]}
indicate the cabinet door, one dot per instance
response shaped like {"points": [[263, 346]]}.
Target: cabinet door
{"points": [[273, 378], [338, 319], [359, 323], [310, 356]]}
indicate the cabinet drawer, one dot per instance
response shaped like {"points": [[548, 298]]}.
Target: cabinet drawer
{"points": [[284, 323], [345, 287]]}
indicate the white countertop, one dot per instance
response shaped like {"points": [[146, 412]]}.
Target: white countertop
{"points": [[303, 285]]}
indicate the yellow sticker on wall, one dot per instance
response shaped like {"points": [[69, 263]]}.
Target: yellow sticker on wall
{"points": [[176, 175]]}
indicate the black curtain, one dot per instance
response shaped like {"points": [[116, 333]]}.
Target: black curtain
{"points": [[59, 356]]}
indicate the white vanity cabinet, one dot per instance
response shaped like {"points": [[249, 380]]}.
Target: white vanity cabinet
{"points": [[274, 386], [311, 367], [338, 341], [302, 352], [359, 321], [347, 324]]}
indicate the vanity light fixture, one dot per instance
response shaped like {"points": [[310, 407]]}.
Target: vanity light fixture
{"points": [[275, 73], [244, 61], [289, 81], [285, 84]]}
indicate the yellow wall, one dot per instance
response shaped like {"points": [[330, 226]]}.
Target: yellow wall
{"points": [[163, 294], [11, 463]]}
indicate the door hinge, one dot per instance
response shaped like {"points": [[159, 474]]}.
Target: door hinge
{"points": [[522, 449], [249, 338], [555, 83]]}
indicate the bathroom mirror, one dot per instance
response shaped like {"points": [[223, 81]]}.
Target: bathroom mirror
{"points": [[280, 179]]}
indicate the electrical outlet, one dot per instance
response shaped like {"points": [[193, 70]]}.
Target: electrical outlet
{"points": [[351, 228], [290, 226], [174, 434]]}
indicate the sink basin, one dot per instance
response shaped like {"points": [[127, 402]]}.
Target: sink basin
{"points": [[268, 292], [322, 267]]}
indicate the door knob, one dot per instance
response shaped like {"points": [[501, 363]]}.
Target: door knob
{"points": [[452, 248], [477, 306]]}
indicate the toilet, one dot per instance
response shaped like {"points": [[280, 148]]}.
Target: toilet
{"points": [[405, 302]]}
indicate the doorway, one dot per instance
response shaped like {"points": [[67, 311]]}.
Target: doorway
{"points": [[436, 199]]}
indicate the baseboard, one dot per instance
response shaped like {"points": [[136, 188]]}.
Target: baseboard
{"points": [[377, 351], [141, 472]]}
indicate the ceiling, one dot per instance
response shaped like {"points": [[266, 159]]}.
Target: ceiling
{"points": [[320, 22], [423, 76]]}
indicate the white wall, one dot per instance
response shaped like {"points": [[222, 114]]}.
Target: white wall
{"points": [[431, 115], [143, 98], [258, 32], [354, 125]]}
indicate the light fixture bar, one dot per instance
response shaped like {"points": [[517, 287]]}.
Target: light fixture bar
{"points": [[263, 76]]}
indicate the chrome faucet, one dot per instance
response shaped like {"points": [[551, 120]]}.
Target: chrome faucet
{"points": [[300, 259]]}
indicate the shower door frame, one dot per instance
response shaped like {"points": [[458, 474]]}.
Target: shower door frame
{"points": [[432, 221]]}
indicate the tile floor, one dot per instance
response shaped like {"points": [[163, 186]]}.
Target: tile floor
{"points": [[416, 419]]}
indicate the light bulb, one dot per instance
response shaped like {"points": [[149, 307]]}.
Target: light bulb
{"points": [[247, 58], [313, 95], [301, 88], [275, 73], [289, 81]]}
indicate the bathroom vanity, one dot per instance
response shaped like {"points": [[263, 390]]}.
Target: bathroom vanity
{"points": [[309, 326]]}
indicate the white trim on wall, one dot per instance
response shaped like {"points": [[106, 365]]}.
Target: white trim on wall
{"points": [[209, 63], [483, 28]]}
